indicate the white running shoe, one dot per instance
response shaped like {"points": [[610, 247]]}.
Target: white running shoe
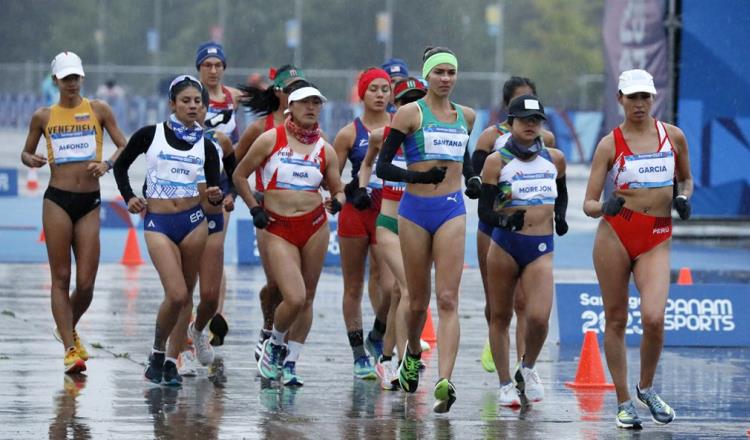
{"points": [[187, 364], [425, 345], [509, 396], [387, 375], [529, 384], [203, 349]]}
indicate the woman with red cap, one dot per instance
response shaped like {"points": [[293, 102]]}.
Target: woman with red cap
{"points": [[645, 166], [356, 223]]}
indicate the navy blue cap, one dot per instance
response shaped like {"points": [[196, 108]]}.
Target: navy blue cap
{"points": [[396, 67], [208, 50]]}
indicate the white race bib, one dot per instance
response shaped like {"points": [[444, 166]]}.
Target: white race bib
{"points": [[74, 146], [444, 143]]}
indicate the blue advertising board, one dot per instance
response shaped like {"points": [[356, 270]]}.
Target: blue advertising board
{"points": [[700, 315], [247, 245], [8, 182]]}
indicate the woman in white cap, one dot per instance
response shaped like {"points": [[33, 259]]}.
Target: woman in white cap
{"points": [[432, 217], [637, 165], [523, 190], [177, 155], [294, 161], [73, 129]]}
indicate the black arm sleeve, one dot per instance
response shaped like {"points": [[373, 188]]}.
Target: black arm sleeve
{"points": [[230, 163], [384, 168], [561, 202], [211, 166], [486, 204], [138, 144], [468, 168], [478, 158]]}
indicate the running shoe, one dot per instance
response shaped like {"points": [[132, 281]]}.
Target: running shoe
{"points": [[259, 346], [661, 413], [290, 377], [425, 345], [155, 368], [408, 372], [273, 355], [509, 396], [375, 348], [82, 353], [387, 374], [488, 363], [73, 362], [203, 349], [363, 368], [445, 396], [170, 376], [187, 364], [219, 329], [627, 417], [529, 384]]}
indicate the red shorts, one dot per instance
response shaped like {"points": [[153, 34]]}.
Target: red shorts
{"points": [[297, 230], [639, 233], [354, 223]]}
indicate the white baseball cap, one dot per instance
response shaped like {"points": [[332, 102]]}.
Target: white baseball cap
{"points": [[67, 63], [636, 80], [305, 92]]}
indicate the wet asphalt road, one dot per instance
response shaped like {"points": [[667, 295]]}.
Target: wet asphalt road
{"points": [[708, 388]]}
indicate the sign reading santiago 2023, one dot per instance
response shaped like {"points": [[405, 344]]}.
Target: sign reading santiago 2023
{"points": [[706, 315]]}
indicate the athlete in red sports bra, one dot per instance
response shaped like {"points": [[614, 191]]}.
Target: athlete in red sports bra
{"points": [[639, 161]]}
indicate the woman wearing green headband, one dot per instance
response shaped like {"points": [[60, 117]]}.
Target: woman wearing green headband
{"points": [[432, 217]]}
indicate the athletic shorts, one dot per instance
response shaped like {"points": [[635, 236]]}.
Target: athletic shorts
{"points": [[388, 222], [215, 223], [297, 230], [354, 223], [484, 228], [639, 233], [523, 248], [76, 205], [430, 213], [175, 226]]}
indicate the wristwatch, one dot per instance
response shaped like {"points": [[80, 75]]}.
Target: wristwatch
{"points": [[110, 164]]}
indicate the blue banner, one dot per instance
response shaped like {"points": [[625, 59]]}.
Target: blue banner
{"points": [[698, 315], [247, 245], [8, 182]]}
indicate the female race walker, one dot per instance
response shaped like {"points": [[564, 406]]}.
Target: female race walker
{"points": [[356, 223], [293, 160], [70, 214], [221, 117], [175, 227], [269, 105], [432, 216], [639, 161], [492, 139], [523, 189], [388, 250]]}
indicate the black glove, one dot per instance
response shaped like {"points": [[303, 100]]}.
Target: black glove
{"points": [[682, 205], [513, 222], [434, 175], [561, 225], [335, 206], [473, 188], [361, 199], [613, 205], [221, 118], [260, 217], [350, 187]]}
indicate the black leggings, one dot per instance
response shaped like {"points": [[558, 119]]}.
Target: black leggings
{"points": [[76, 205]]}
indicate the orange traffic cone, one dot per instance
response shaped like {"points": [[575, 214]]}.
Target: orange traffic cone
{"points": [[132, 254], [428, 331], [42, 237], [32, 181], [590, 372], [685, 278]]}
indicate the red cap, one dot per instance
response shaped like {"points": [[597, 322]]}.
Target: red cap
{"points": [[407, 85], [369, 76]]}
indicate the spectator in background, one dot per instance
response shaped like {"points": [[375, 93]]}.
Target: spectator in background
{"points": [[50, 94]]}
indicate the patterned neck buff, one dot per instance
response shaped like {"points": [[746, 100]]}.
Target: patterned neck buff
{"points": [[191, 135], [305, 135]]}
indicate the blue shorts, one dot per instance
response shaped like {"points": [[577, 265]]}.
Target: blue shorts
{"points": [[485, 228], [430, 213], [523, 248], [175, 226], [215, 223]]}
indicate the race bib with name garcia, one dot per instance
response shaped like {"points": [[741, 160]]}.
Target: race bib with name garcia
{"points": [[653, 170]]}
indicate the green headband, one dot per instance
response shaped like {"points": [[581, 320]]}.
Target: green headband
{"points": [[438, 58], [283, 78]]}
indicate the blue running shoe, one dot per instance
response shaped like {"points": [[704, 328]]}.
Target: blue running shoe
{"points": [[289, 372], [375, 348], [270, 360], [155, 368], [363, 369], [661, 413], [170, 376], [627, 418]]}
